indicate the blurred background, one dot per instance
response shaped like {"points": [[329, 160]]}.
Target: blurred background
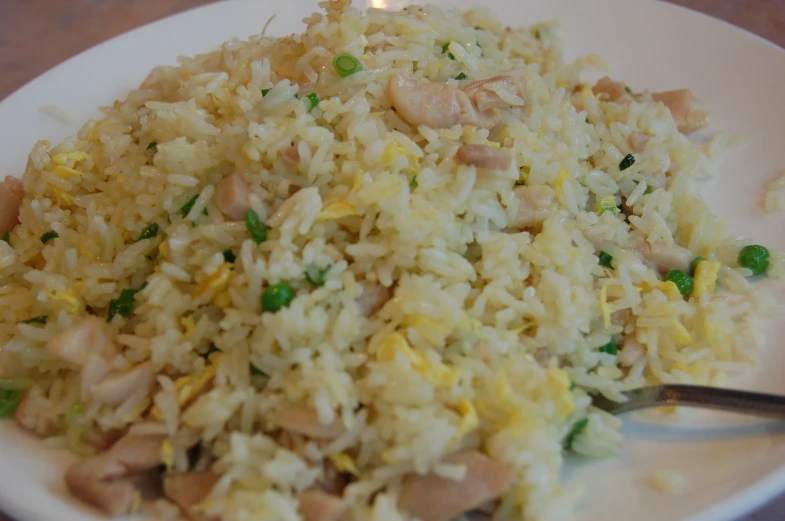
{"points": [[67, 27]]}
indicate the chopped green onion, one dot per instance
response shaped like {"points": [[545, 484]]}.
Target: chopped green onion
{"points": [[7, 237], [15, 384], [607, 204], [265, 91], [461, 76], [213, 349], [684, 282], [755, 258], [578, 428], [444, 50], [313, 100], [694, 264], [611, 348], [9, 401], [627, 162], [34, 320], [316, 276], [648, 190], [148, 233], [629, 90], [229, 256], [605, 259], [74, 412], [124, 304], [258, 372], [152, 146], [194, 454], [537, 34], [572, 385], [346, 64], [414, 184], [48, 236], [186, 209], [277, 297], [256, 227]]}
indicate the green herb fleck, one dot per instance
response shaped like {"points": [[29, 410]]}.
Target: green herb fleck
{"points": [[229, 256], [627, 162], [414, 184], [124, 304], [277, 297], [578, 428], [629, 90], [684, 282], [461, 76], [611, 348], [572, 385], [313, 100], [648, 190], [148, 233], [34, 320], [316, 276], [256, 227], [605, 259], [265, 91], [444, 50], [186, 209], [258, 372], [48, 236], [346, 65], [755, 258]]}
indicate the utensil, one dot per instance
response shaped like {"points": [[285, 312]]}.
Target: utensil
{"points": [[732, 400]]}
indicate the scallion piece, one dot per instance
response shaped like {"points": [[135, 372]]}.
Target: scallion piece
{"points": [[627, 162], [9, 402], [7, 238], [461, 76], [34, 320], [611, 348], [186, 209], [316, 276], [148, 233], [256, 227], [229, 256], [605, 259], [152, 146], [265, 91], [313, 100], [629, 90], [444, 50], [607, 204], [346, 64], [414, 184], [48, 236], [122, 305], [578, 428]]}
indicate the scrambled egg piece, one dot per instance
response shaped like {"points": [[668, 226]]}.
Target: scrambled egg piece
{"points": [[435, 373], [394, 149], [71, 304], [434, 331], [604, 307], [64, 157], [344, 463], [334, 209], [560, 382], [189, 325], [167, 453], [215, 282], [679, 333], [189, 387], [469, 419], [669, 288], [222, 300], [64, 171], [706, 278], [563, 176]]}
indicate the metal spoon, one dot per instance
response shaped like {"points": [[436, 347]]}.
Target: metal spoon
{"points": [[732, 400]]}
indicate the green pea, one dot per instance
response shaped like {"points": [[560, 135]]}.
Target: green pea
{"points": [[694, 264], [684, 282], [277, 297], [755, 258], [611, 348]]}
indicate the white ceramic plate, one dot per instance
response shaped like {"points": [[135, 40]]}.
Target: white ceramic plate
{"points": [[731, 465]]}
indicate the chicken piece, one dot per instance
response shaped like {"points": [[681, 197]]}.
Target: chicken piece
{"points": [[77, 343], [302, 419], [231, 197], [535, 203], [631, 351], [686, 109], [28, 420], [638, 141], [100, 480], [189, 490], [115, 388], [332, 480], [317, 505], [440, 105], [11, 194], [434, 498], [609, 90], [667, 258], [291, 155], [484, 156], [372, 298], [101, 439]]}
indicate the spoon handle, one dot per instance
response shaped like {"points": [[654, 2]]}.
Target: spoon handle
{"points": [[731, 400]]}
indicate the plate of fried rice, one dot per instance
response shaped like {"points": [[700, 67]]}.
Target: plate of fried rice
{"points": [[373, 262]]}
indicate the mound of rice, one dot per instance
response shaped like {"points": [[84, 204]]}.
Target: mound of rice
{"points": [[501, 323]]}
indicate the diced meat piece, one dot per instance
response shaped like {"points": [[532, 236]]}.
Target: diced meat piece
{"points": [[100, 480], [78, 342], [372, 298], [631, 351], [332, 481], [610, 90], [484, 156], [189, 490], [302, 419], [638, 141], [667, 258], [422, 102], [11, 194], [535, 203], [434, 498], [291, 155], [30, 421], [317, 505], [101, 439], [115, 388], [439, 105], [686, 109], [231, 197]]}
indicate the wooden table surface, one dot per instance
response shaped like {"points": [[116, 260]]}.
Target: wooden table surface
{"points": [[67, 27]]}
